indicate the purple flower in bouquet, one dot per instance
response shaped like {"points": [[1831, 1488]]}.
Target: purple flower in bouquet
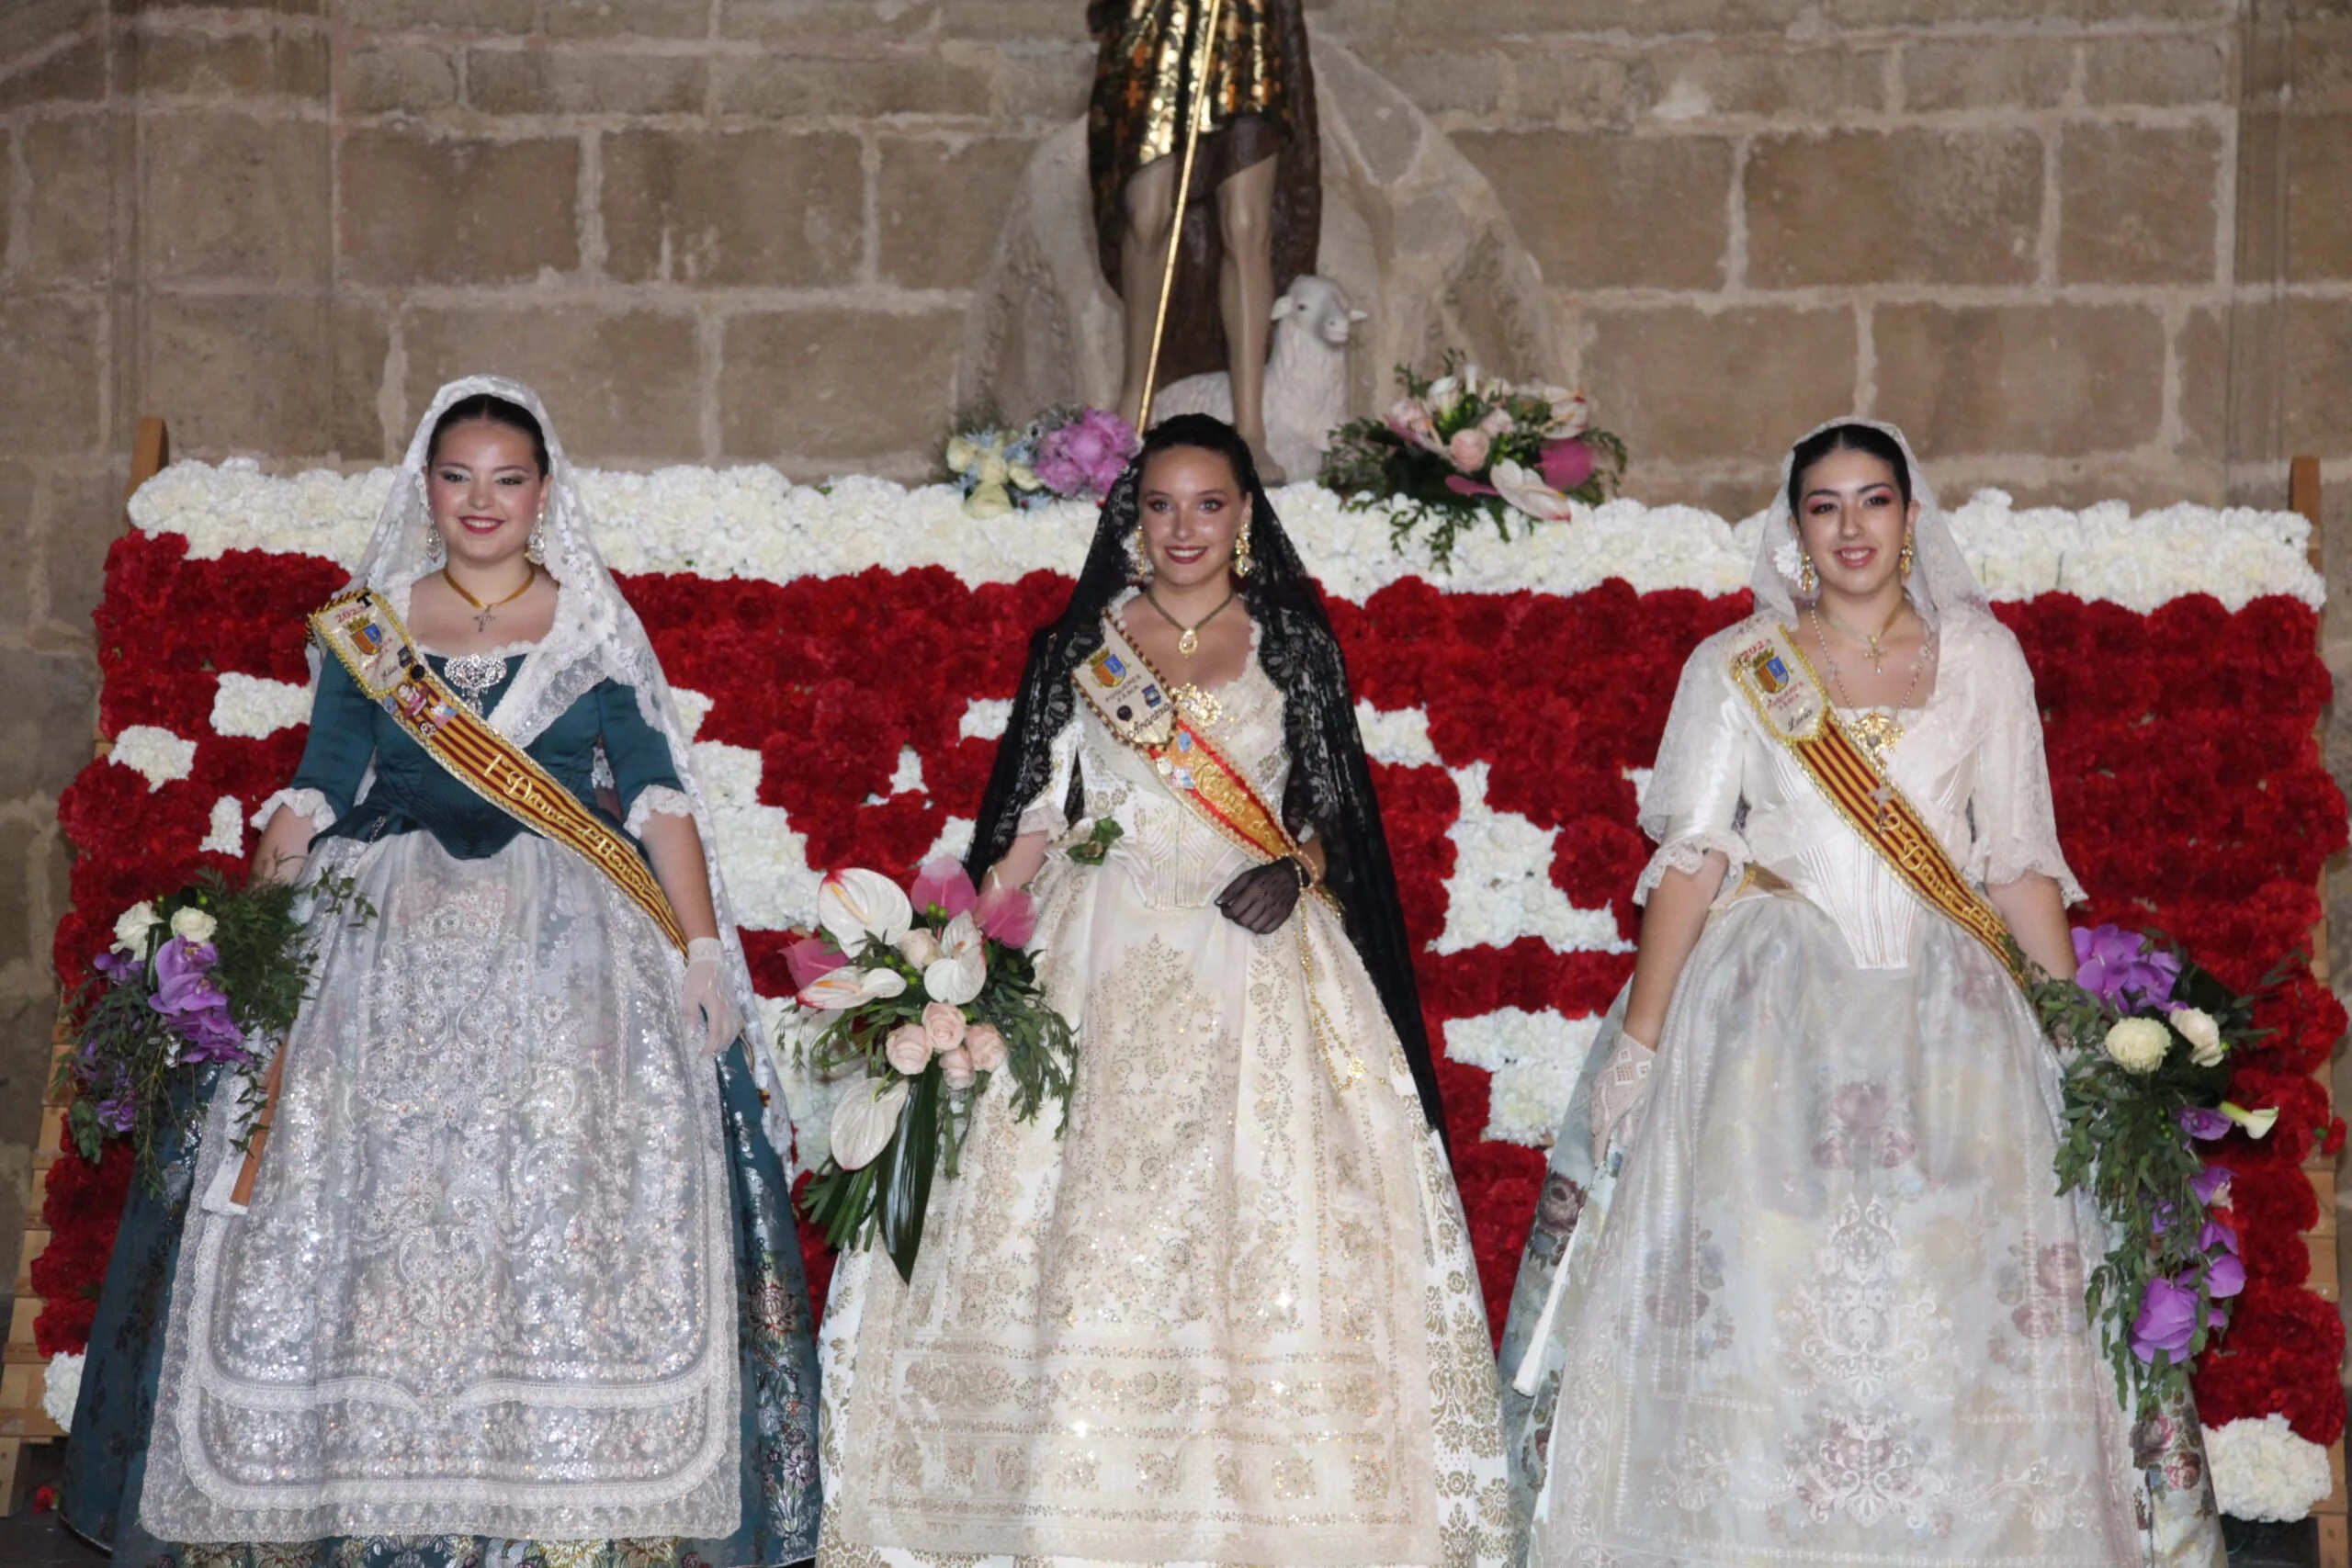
{"points": [[197, 1008], [2203, 1121], [2167, 1320], [120, 968], [2211, 1186], [2122, 968], [2224, 1276], [2218, 1236], [1085, 455]]}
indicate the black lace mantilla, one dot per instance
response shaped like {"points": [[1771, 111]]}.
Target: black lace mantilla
{"points": [[1330, 791]]}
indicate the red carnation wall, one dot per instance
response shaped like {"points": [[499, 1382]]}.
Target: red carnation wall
{"points": [[2190, 795]]}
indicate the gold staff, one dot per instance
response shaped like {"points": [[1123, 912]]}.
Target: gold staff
{"points": [[1183, 193]]}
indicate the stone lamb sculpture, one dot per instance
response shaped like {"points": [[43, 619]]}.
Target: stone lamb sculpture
{"points": [[1306, 377]]}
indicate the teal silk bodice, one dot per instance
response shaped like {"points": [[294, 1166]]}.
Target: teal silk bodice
{"points": [[412, 793]]}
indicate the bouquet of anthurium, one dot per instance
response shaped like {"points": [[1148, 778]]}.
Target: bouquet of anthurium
{"points": [[209, 974], [930, 994], [2151, 1036]]}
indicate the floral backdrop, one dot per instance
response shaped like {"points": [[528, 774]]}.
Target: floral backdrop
{"points": [[847, 654]]}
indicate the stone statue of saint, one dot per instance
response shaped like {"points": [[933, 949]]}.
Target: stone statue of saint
{"points": [[1258, 154]]}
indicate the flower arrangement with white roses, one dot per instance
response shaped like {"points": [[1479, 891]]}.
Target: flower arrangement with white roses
{"points": [[1469, 445], [931, 992], [2147, 1037], [210, 973]]}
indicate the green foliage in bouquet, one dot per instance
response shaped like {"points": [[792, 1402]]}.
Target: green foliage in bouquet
{"points": [[2147, 1037], [210, 973]]}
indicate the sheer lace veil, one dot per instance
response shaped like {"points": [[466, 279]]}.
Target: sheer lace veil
{"points": [[1940, 581], [595, 637], [1941, 586]]}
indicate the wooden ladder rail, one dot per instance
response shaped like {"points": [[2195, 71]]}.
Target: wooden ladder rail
{"points": [[24, 1371], [2335, 1538]]}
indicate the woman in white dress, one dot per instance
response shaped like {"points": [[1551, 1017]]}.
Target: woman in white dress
{"points": [[1820, 1301], [1228, 1312]]}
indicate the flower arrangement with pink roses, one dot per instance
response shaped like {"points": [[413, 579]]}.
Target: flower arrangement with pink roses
{"points": [[1467, 445], [930, 991]]}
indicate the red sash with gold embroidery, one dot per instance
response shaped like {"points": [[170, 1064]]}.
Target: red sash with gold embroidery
{"points": [[1788, 695], [1138, 705], [361, 631]]}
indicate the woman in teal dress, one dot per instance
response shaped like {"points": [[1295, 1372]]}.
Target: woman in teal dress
{"points": [[515, 1281]]}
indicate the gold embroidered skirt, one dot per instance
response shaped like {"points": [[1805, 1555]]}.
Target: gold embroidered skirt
{"points": [[1230, 1315]]}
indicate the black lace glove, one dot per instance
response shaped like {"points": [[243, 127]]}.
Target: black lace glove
{"points": [[1261, 899]]}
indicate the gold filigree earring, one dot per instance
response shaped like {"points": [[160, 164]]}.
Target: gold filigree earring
{"points": [[1242, 565], [1138, 564], [1907, 558], [1804, 576], [536, 549]]}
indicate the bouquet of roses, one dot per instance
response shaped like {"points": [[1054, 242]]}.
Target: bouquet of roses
{"points": [[2151, 1034], [1467, 445], [210, 973], [1063, 454], [930, 993]]}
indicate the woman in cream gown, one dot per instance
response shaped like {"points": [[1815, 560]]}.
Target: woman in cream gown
{"points": [[1229, 1312], [1828, 1307]]}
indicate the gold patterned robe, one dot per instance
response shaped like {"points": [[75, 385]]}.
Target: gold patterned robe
{"points": [[1230, 1315], [1261, 104]]}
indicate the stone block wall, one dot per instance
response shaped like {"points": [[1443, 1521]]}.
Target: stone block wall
{"points": [[2081, 248]]}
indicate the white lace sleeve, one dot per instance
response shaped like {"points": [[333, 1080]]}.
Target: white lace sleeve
{"points": [[657, 798], [1693, 801], [2015, 821], [309, 803], [1046, 814]]}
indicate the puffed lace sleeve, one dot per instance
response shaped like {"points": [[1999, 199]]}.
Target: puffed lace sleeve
{"points": [[1047, 814], [2015, 823], [1693, 801]]}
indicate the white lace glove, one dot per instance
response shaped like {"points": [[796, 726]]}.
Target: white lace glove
{"points": [[1617, 1095], [703, 997]]}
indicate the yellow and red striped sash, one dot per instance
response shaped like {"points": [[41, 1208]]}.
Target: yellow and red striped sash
{"points": [[360, 629], [1137, 704], [1788, 695]]}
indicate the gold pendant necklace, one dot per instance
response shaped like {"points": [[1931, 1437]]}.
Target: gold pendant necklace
{"points": [[1875, 730], [1188, 638], [488, 612]]}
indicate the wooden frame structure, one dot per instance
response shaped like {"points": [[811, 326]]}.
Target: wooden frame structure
{"points": [[23, 1368]]}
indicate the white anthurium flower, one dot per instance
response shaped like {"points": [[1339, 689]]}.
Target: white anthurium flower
{"points": [[865, 1121], [2256, 1124], [130, 927], [1529, 493], [962, 968], [961, 454], [845, 988], [1022, 476], [856, 906]]}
